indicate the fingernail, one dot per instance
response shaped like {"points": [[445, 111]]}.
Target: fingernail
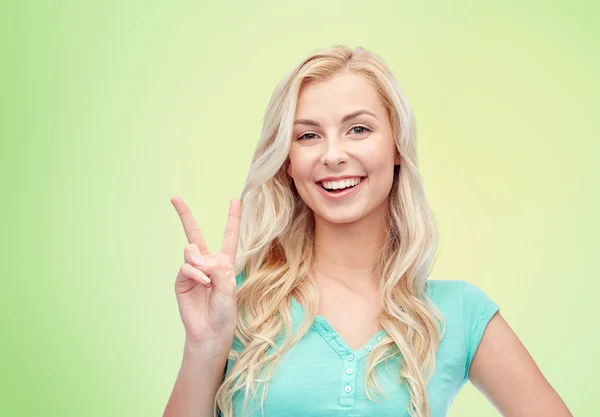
{"points": [[206, 280], [197, 261]]}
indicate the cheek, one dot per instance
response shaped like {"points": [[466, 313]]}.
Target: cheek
{"points": [[300, 165], [292, 164], [377, 160], [382, 157]]}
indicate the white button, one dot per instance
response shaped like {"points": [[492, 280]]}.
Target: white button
{"points": [[379, 338], [350, 357], [369, 348], [349, 371], [348, 388]]}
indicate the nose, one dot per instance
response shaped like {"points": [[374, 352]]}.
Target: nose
{"points": [[334, 153]]}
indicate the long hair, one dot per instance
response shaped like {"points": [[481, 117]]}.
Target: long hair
{"points": [[276, 246]]}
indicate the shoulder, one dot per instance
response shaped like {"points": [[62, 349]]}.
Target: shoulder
{"points": [[467, 309], [457, 293]]}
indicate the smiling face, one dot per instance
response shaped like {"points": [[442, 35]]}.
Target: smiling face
{"points": [[343, 153]]}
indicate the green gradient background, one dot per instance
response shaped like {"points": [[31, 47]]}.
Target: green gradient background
{"points": [[111, 108]]}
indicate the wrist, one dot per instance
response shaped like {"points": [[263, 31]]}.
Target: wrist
{"points": [[208, 351]]}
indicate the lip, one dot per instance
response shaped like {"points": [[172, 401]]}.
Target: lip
{"points": [[344, 194], [343, 177]]}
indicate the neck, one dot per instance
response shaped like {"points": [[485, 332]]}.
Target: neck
{"points": [[346, 253]]}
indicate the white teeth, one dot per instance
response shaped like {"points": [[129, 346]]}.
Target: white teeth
{"points": [[338, 185]]}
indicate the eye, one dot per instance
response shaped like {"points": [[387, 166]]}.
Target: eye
{"points": [[307, 136], [360, 130]]}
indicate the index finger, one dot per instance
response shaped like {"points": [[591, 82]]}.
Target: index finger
{"points": [[192, 231], [232, 230]]}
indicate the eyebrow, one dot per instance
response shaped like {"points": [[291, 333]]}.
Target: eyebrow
{"points": [[344, 119]]}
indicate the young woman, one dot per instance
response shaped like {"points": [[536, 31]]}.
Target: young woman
{"points": [[326, 309]]}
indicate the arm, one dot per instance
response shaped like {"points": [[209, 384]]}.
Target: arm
{"points": [[199, 378], [506, 374]]}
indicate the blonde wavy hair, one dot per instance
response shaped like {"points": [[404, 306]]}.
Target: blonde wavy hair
{"points": [[276, 250]]}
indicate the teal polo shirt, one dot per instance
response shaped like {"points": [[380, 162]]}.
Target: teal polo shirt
{"points": [[322, 376]]}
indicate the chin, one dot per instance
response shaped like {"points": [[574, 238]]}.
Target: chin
{"points": [[340, 216]]}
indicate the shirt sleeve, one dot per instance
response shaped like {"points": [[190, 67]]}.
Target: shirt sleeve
{"points": [[478, 309]]}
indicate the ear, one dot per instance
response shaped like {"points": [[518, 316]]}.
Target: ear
{"points": [[397, 159], [289, 168]]}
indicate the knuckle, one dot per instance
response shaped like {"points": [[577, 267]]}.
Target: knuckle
{"points": [[217, 263], [209, 258], [224, 260]]}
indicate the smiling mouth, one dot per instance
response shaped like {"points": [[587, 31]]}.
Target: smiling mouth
{"points": [[336, 187]]}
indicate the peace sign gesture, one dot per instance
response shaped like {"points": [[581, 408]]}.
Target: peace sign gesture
{"points": [[205, 286]]}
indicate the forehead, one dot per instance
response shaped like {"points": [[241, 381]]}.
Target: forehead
{"points": [[342, 94]]}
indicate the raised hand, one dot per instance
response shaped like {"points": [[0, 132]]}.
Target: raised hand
{"points": [[205, 285]]}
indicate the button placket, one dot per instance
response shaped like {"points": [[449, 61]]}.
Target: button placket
{"points": [[348, 380]]}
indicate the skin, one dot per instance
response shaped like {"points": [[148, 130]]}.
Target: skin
{"points": [[359, 146], [502, 369], [506, 374], [206, 295]]}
